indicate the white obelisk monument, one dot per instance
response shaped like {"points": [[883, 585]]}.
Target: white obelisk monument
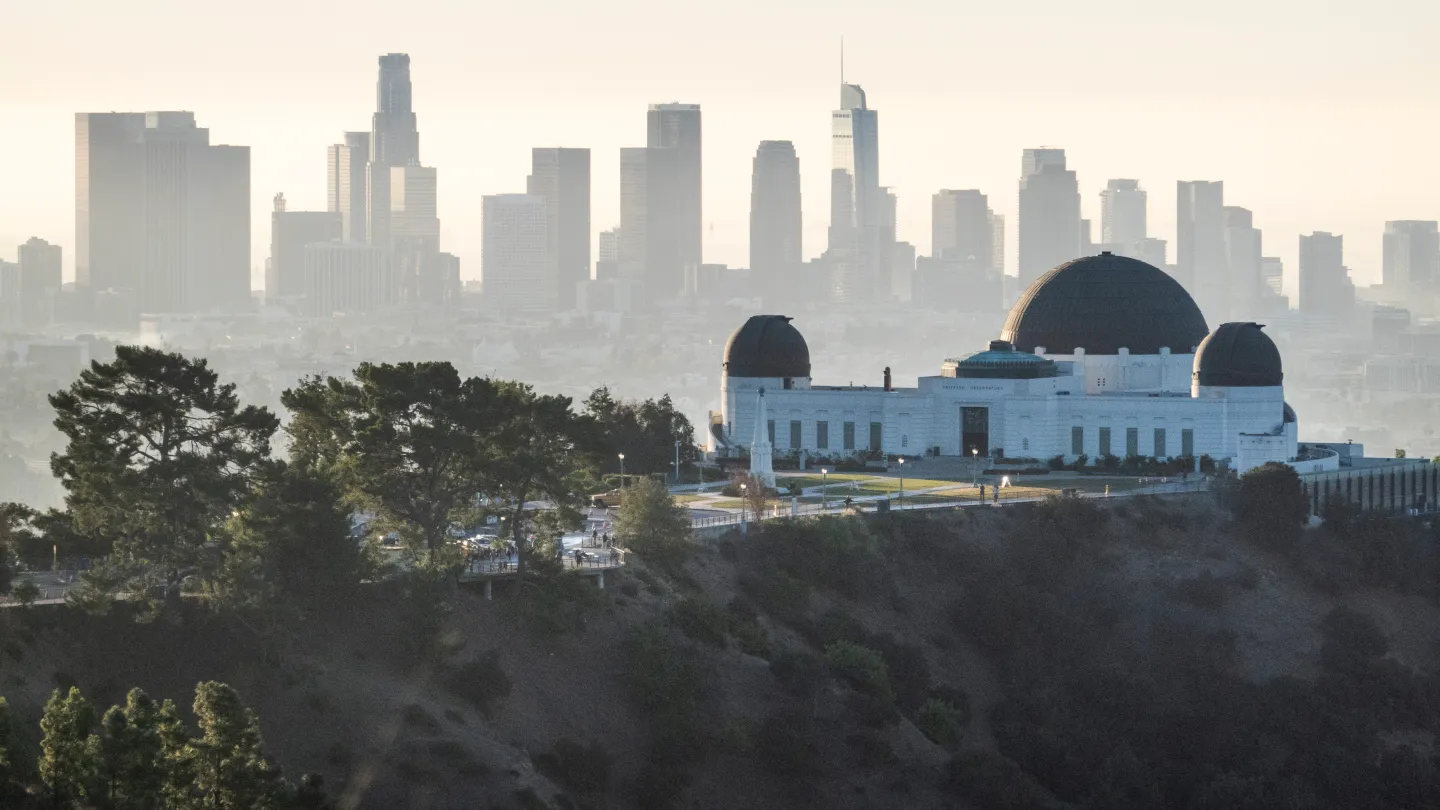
{"points": [[761, 468]]}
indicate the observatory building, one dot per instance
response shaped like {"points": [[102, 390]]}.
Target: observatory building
{"points": [[1102, 356]]}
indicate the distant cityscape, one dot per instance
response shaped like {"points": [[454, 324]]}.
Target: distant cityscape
{"points": [[163, 256]]}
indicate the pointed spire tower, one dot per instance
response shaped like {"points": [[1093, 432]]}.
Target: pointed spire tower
{"points": [[761, 453]]}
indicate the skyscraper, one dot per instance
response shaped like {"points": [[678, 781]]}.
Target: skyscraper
{"points": [[677, 126], [961, 227], [516, 268], [290, 232], [162, 216], [395, 140], [1273, 272], [1122, 214], [39, 283], [1049, 213], [394, 143], [1200, 245], [775, 214], [343, 278], [1325, 286], [855, 200], [562, 177], [649, 244], [345, 183], [1243, 258], [1411, 255]]}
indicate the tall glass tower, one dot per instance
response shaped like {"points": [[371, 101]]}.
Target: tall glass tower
{"points": [[855, 204]]}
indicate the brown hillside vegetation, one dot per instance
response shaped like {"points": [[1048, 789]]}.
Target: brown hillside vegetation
{"points": [[1128, 654]]}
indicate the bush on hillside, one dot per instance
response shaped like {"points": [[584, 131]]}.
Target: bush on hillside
{"points": [[1271, 507], [701, 621], [481, 681], [941, 721], [862, 667]]}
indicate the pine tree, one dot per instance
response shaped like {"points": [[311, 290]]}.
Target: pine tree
{"points": [[177, 758], [7, 762], [231, 771], [67, 752], [132, 764]]}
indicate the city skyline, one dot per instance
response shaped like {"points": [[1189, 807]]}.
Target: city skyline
{"points": [[289, 123]]}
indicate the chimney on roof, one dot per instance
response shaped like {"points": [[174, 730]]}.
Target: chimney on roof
{"points": [[888, 387]]}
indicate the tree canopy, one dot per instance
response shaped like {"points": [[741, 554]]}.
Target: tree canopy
{"points": [[644, 430], [159, 453]]}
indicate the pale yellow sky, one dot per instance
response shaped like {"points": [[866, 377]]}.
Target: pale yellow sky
{"points": [[1317, 115]]}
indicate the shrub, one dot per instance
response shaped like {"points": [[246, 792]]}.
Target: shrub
{"points": [[941, 721], [1056, 462], [800, 673], [871, 749], [1351, 641], [25, 592], [701, 621], [481, 681], [862, 667], [1271, 506]]}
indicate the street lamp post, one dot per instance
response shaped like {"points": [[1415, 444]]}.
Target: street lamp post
{"points": [[677, 462], [622, 470], [824, 492], [974, 465], [902, 482], [743, 487]]}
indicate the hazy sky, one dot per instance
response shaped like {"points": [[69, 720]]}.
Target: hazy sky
{"points": [[1317, 115]]}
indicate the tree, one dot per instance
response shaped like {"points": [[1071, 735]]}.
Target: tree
{"points": [[645, 431], [231, 771], [650, 522], [158, 455], [132, 763], [405, 440], [7, 753], [290, 545], [541, 447], [67, 753], [16, 521], [1271, 506]]}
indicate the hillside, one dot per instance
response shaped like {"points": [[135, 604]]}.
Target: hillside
{"points": [[1137, 653]]}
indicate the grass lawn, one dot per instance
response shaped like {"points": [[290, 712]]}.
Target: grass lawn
{"points": [[689, 498]]}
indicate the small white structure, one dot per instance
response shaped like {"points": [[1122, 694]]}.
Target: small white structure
{"points": [[1102, 356]]}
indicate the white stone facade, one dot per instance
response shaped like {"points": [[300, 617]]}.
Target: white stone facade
{"points": [[1143, 405]]}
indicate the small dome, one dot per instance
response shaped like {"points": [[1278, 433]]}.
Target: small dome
{"points": [[1000, 362], [767, 346], [1238, 355], [1103, 304]]}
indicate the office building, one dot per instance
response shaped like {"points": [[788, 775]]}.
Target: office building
{"points": [[855, 199], [290, 232], [40, 283], [562, 177], [1410, 256], [1272, 271], [395, 140], [162, 216], [516, 267], [607, 257], [1200, 244], [1325, 287], [1049, 213], [962, 227], [1123, 213], [677, 126], [345, 183], [775, 214], [649, 243], [997, 242], [11, 303], [346, 279], [1246, 269]]}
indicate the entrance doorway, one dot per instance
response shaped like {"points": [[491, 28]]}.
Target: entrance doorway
{"points": [[974, 431]]}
